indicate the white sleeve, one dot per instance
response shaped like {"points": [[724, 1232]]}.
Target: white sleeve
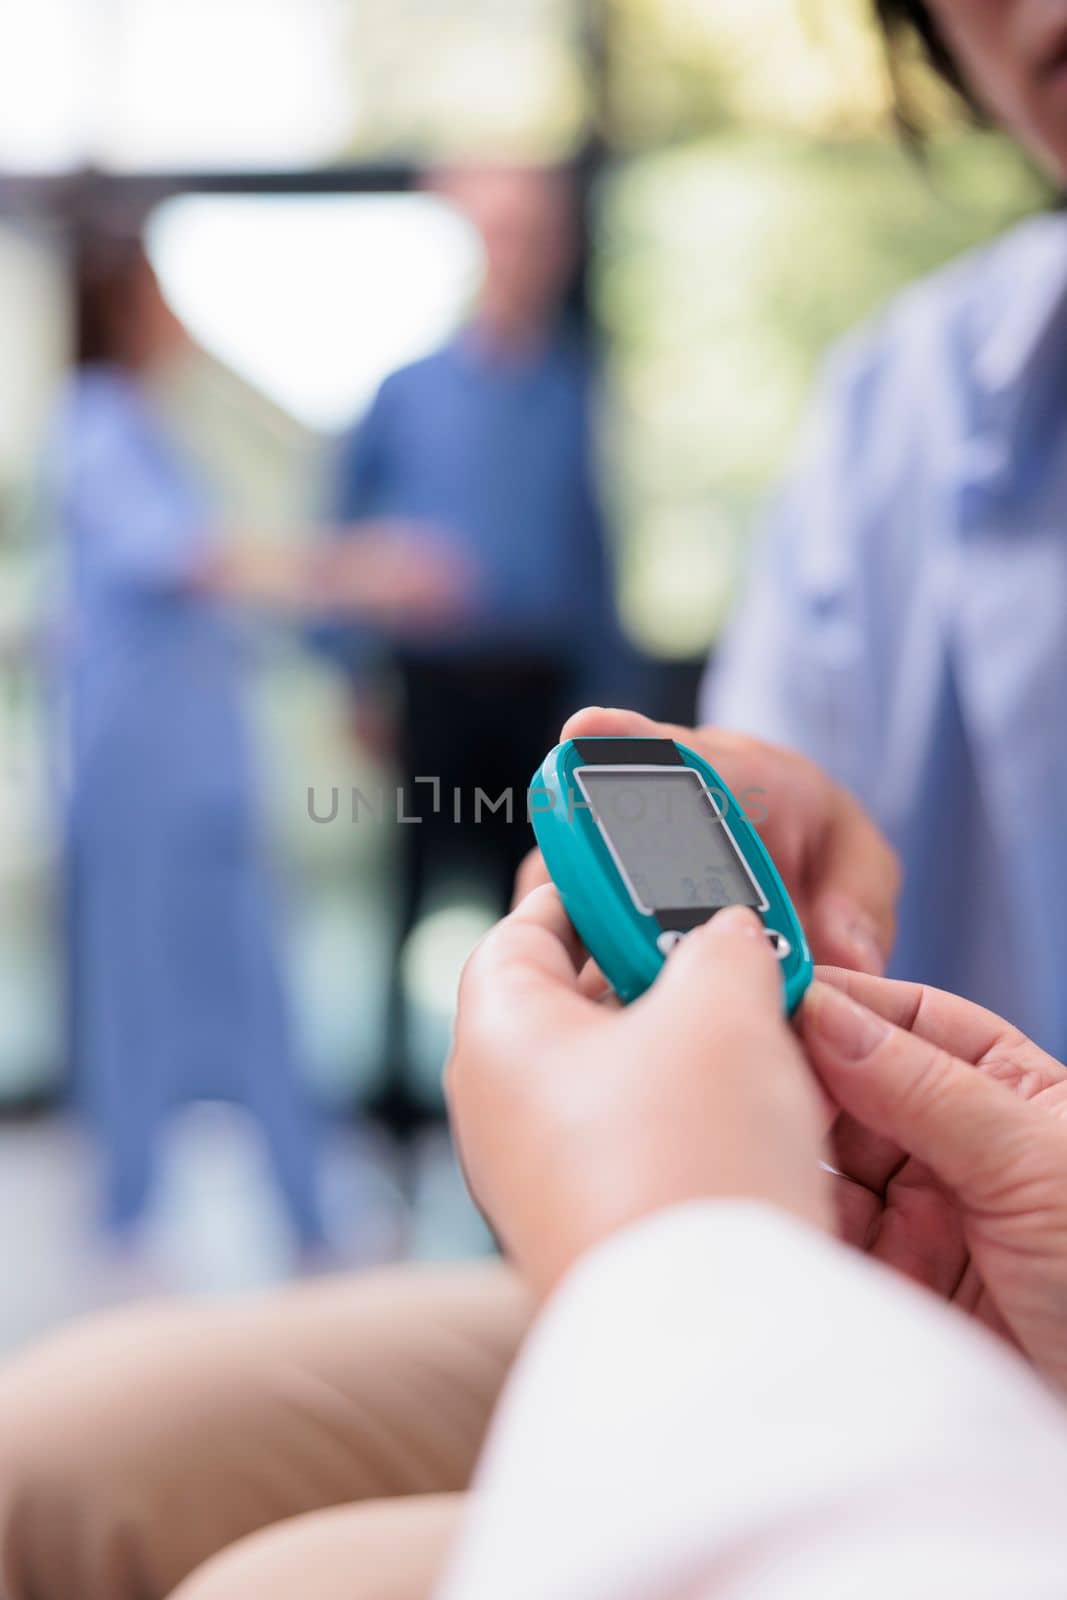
{"points": [[721, 1404]]}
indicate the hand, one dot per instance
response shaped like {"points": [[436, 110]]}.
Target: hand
{"points": [[841, 873], [952, 1143], [373, 725], [575, 1118], [396, 574]]}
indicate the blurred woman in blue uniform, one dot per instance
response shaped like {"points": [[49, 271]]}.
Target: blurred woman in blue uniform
{"points": [[174, 976]]}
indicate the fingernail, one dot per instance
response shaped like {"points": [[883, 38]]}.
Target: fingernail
{"points": [[854, 933], [850, 1030], [735, 920]]}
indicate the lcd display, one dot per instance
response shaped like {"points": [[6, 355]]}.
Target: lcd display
{"points": [[667, 839]]}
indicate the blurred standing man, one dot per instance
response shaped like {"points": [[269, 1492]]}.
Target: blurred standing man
{"points": [[488, 443]]}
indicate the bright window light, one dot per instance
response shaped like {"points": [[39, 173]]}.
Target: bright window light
{"points": [[43, 96], [315, 300], [141, 84], [436, 951], [225, 82]]}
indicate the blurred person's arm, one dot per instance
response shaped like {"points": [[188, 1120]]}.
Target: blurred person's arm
{"points": [[141, 520], [149, 533], [424, 582], [720, 1401], [385, 578]]}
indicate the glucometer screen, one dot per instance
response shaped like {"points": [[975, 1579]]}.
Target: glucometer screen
{"points": [[671, 847]]}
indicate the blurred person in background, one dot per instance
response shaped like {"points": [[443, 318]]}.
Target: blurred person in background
{"points": [[487, 446], [175, 986], [906, 622]]}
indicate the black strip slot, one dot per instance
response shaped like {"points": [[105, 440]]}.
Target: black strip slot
{"points": [[685, 919], [629, 752]]}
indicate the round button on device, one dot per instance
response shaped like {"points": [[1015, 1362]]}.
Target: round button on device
{"points": [[779, 944], [667, 941]]}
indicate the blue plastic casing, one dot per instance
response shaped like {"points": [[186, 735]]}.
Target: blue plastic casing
{"points": [[626, 941]]}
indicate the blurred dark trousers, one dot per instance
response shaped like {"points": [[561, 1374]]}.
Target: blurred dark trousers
{"points": [[480, 727]]}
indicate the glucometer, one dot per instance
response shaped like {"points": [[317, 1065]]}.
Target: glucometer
{"points": [[645, 842]]}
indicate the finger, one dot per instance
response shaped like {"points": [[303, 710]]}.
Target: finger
{"points": [[908, 1090], [975, 1035], [920, 1230], [964, 1029], [866, 1158], [523, 979], [841, 932], [722, 970], [604, 722], [857, 1211], [612, 722], [855, 883], [539, 932], [519, 988], [717, 1007], [531, 875], [593, 983]]}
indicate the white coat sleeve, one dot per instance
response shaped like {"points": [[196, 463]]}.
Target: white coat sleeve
{"points": [[722, 1404]]}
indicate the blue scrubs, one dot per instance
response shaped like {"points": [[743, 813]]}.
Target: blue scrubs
{"points": [[906, 622], [174, 980], [496, 454]]}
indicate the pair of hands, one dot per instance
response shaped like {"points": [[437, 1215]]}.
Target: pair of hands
{"points": [[399, 575], [402, 576], [946, 1127]]}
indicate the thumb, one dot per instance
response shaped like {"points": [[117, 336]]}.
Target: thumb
{"points": [[607, 722], [722, 970], [960, 1123], [611, 722]]}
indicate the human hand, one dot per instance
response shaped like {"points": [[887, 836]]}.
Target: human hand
{"points": [[397, 574], [575, 1118], [373, 725], [952, 1145], [842, 875]]}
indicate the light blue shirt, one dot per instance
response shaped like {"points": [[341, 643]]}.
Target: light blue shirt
{"points": [[906, 620]]}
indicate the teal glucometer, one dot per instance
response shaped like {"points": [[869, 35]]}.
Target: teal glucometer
{"points": [[645, 842]]}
